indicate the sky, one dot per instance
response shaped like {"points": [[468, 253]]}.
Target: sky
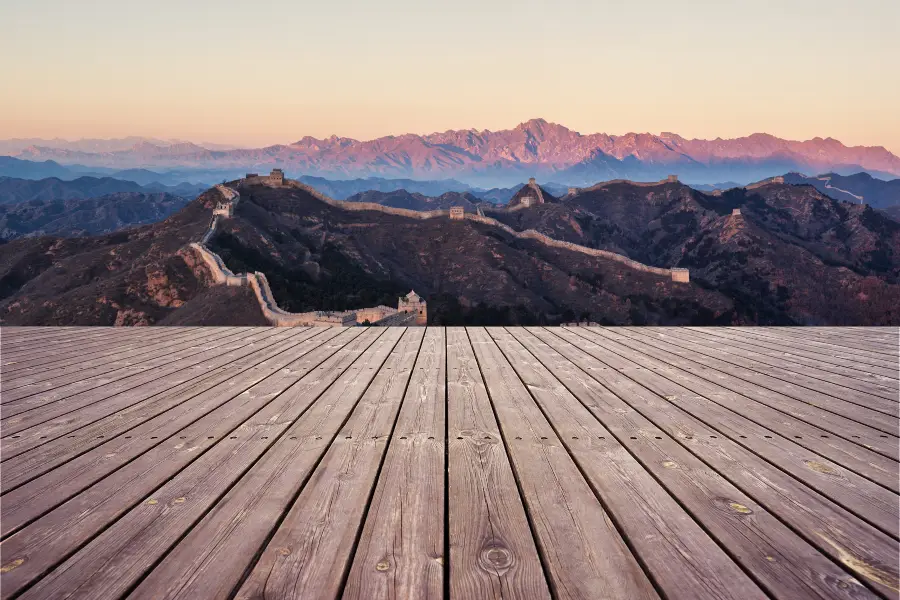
{"points": [[273, 71]]}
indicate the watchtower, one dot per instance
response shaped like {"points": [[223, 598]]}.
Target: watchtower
{"points": [[735, 212], [457, 213], [672, 179], [778, 179], [276, 177], [224, 209], [414, 303], [681, 275]]}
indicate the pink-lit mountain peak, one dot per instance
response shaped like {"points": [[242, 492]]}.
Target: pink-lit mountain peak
{"points": [[535, 147]]}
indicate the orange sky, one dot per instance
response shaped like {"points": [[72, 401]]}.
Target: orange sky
{"points": [[273, 71]]}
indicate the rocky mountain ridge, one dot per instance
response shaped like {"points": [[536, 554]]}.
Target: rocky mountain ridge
{"points": [[533, 148]]}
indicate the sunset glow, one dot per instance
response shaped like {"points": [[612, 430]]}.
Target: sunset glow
{"points": [[225, 73]]}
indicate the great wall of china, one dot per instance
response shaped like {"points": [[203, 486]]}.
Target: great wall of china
{"points": [[257, 281], [676, 274]]}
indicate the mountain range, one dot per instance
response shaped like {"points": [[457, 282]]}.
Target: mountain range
{"points": [[501, 158], [791, 256], [15, 145], [859, 188], [14, 190], [86, 216], [27, 169]]}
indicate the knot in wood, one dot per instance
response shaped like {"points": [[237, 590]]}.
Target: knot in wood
{"points": [[496, 557]]}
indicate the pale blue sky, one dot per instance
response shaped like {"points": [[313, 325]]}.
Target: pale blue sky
{"points": [[272, 71]]}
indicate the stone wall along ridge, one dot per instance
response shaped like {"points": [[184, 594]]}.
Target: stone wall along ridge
{"points": [[257, 281]]}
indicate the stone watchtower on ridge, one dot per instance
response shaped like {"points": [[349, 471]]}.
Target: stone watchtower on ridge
{"points": [[276, 177], [457, 213], [414, 303], [224, 209]]}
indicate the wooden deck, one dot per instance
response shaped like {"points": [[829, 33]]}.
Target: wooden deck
{"points": [[614, 463]]}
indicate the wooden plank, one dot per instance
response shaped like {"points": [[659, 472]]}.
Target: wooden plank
{"points": [[867, 395], [785, 565], [695, 378], [122, 407], [73, 349], [400, 553], [492, 551], [861, 414], [682, 558], [801, 355], [865, 336], [48, 337], [836, 375], [824, 352], [857, 333], [155, 374], [35, 348], [33, 381], [24, 397], [583, 552], [868, 500], [214, 556], [862, 349], [133, 511], [869, 553], [211, 414], [815, 333], [50, 364], [87, 336], [14, 365], [727, 376]]}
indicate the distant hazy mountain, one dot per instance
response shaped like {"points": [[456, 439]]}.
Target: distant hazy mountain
{"points": [[416, 201], [14, 190], [708, 187], [95, 145], [860, 188], [341, 189], [27, 169], [76, 217], [502, 158]]}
